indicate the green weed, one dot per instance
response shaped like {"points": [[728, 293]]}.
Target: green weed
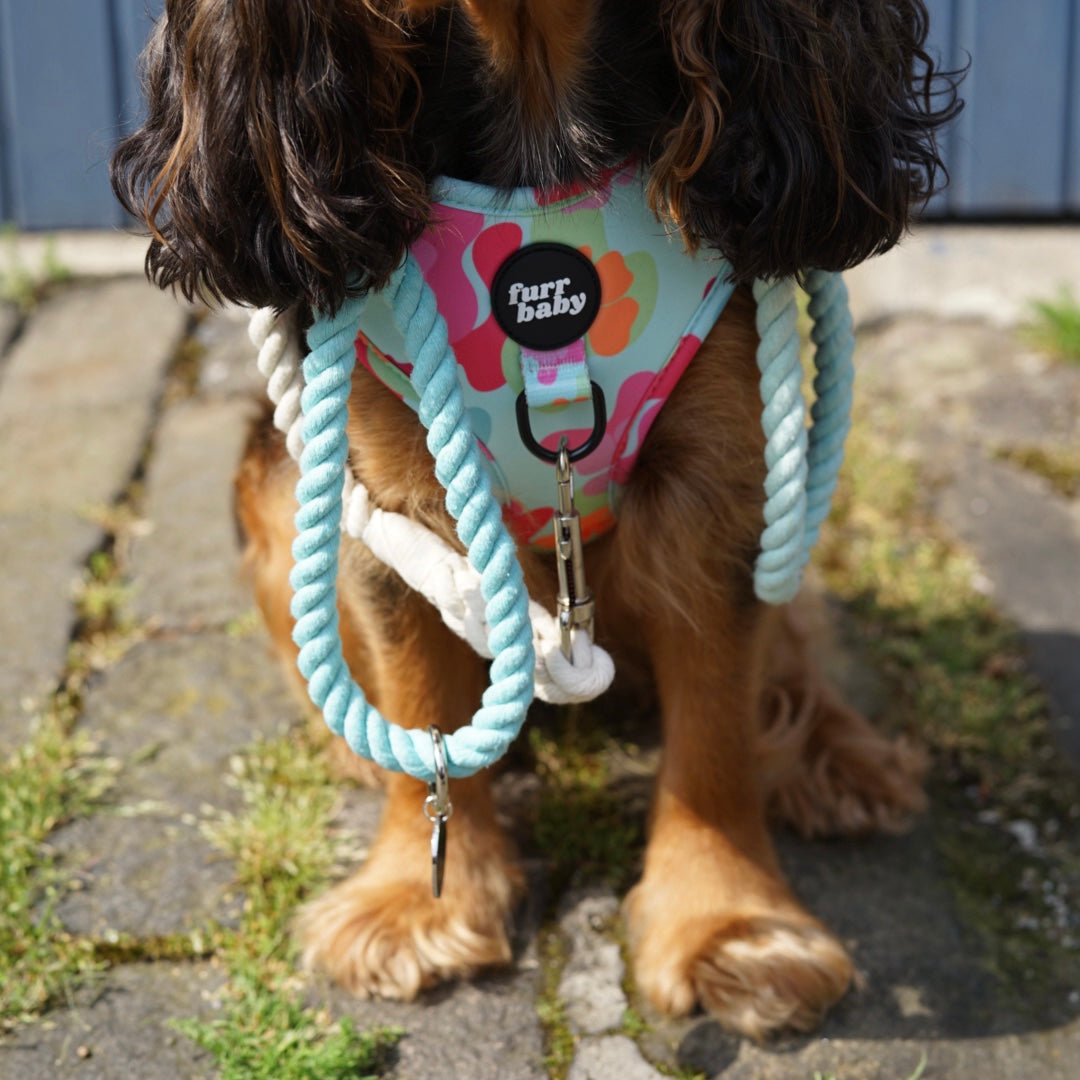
{"points": [[582, 827], [24, 286], [50, 780], [1055, 326], [559, 1040], [283, 850], [916, 1075], [267, 1035], [1060, 469]]}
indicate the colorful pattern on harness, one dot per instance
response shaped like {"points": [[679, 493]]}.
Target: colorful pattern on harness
{"points": [[657, 304]]}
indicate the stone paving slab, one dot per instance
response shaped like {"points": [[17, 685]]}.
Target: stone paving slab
{"points": [[228, 367], [1049, 1055], [79, 392], [591, 983], [610, 1057], [145, 874], [187, 563], [77, 398], [42, 553], [990, 273], [967, 391], [116, 1029], [174, 711], [482, 1030]]}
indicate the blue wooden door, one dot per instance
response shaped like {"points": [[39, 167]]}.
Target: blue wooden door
{"points": [[67, 91], [1015, 149]]}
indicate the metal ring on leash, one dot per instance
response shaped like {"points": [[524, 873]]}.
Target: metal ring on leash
{"points": [[438, 809]]}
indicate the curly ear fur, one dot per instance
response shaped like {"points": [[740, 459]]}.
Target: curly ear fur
{"points": [[275, 158], [807, 138]]}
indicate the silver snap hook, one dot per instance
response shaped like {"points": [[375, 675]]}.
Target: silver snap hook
{"points": [[438, 809]]}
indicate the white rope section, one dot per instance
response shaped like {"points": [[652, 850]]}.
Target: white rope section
{"points": [[423, 560]]}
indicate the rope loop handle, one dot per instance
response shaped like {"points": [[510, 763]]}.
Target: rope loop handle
{"points": [[470, 501]]}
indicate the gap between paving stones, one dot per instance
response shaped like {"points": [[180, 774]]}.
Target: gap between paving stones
{"points": [[134, 868]]}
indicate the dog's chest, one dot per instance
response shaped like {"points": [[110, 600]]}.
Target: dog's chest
{"points": [[572, 314]]}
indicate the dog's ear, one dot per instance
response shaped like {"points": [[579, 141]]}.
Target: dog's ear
{"points": [[273, 165], [806, 130]]}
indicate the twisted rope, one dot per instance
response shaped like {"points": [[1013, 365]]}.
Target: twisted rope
{"points": [[834, 342], [778, 569], [801, 468], [458, 465], [420, 557]]}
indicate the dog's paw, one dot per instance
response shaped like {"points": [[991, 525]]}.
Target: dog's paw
{"points": [[390, 938], [826, 771], [756, 974]]}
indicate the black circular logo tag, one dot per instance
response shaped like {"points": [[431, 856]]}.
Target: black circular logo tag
{"points": [[546, 295]]}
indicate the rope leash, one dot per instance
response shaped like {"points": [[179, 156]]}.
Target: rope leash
{"points": [[424, 561], [801, 478]]}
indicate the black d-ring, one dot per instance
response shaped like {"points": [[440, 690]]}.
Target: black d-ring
{"points": [[578, 452]]}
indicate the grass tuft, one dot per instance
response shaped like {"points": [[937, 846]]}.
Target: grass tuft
{"points": [[284, 850], [25, 286], [1055, 326], [49, 781], [559, 1040], [582, 827], [268, 1035], [1059, 468]]}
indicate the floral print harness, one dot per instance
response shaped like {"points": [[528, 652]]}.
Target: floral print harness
{"points": [[572, 313]]}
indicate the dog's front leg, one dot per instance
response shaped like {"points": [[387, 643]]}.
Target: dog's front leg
{"points": [[712, 920], [382, 932]]}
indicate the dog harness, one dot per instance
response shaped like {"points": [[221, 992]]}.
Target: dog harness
{"points": [[572, 314], [536, 295]]}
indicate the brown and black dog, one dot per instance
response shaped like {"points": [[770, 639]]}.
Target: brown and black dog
{"points": [[287, 159]]}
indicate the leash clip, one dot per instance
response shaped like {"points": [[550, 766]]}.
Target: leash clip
{"points": [[575, 606], [438, 809]]}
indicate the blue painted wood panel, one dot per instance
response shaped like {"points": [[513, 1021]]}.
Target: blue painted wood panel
{"points": [[1015, 148], [5, 156], [1072, 165], [60, 96], [68, 90], [134, 19]]}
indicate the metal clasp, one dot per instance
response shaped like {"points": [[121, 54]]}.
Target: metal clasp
{"points": [[438, 809], [575, 605]]}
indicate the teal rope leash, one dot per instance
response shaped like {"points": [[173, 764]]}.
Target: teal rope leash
{"points": [[834, 341], [802, 466], [800, 481], [458, 465], [779, 565]]}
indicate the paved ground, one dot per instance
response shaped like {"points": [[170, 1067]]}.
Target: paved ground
{"points": [[82, 414]]}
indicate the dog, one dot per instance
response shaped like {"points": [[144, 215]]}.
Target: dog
{"points": [[288, 159]]}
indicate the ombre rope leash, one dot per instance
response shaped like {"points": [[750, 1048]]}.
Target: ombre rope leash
{"points": [[801, 477]]}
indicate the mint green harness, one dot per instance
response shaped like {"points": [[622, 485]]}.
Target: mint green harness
{"points": [[615, 305]]}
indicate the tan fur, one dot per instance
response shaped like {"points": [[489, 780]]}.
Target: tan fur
{"points": [[712, 921], [546, 36]]}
